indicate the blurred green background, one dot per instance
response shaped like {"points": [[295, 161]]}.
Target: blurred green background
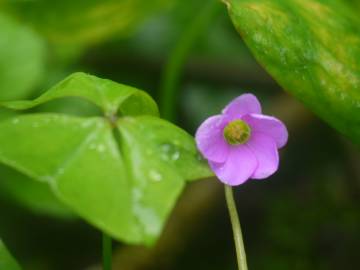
{"points": [[304, 217]]}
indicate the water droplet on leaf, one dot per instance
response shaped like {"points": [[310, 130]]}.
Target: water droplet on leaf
{"points": [[155, 176], [101, 148]]}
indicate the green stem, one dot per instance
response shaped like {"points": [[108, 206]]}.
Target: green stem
{"points": [[235, 222], [107, 251], [173, 68]]}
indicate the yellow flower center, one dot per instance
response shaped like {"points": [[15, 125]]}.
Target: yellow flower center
{"points": [[237, 132]]}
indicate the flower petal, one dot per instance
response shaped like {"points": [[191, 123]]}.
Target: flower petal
{"points": [[238, 168], [242, 105], [210, 140], [269, 126], [266, 153]]}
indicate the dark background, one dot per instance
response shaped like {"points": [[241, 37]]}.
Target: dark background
{"points": [[306, 216]]}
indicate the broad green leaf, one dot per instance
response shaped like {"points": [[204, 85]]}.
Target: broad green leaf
{"points": [[312, 48], [158, 162], [355, 4], [122, 172], [7, 262], [111, 97], [21, 59], [175, 145], [4, 113], [33, 195], [84, 21]]}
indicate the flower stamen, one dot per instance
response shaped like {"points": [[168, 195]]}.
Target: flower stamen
{"points": [[237, 132]]}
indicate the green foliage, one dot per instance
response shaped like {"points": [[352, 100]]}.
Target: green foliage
{"points": [[122, 174], [80, 22], [7, 262], [312, 48], [21, 59], [355, 4], [33, 195]]}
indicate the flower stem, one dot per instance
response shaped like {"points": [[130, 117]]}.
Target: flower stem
{"points": [[107, 251], [235, 222], [173, 68]]}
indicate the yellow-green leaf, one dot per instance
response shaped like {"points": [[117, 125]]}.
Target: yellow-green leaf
{"points": [[312, 48]]}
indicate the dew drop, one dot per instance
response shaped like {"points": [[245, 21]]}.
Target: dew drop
{"points": [[166, 148], [47, 178], [137, 194], [155, 176], [165, 151], [92, 146], [101, 148], [85, 124], [148, 219], [175, 155], [60, 171]]}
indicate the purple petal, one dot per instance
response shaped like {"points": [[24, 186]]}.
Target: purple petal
{"points": [[266, 153], [242, 105], [210, 140], [269, 126], [238, 168]]}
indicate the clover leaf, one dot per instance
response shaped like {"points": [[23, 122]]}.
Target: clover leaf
{"points": [[6, 260], [122, 172]]}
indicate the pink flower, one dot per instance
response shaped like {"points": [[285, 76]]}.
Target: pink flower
{"points": [[242, 143]]}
